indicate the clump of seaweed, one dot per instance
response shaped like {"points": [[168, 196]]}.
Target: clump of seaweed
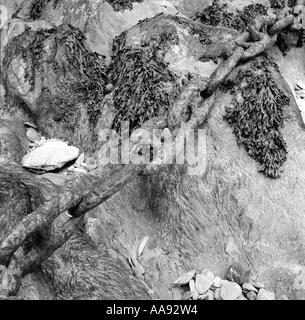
{"points": [[194, 29], [143, 85], [277, 4], [218, 14], [120, 5], [257, 119]]}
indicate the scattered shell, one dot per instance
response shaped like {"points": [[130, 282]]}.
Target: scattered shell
{"points": [[142, 245], [185, 278]]}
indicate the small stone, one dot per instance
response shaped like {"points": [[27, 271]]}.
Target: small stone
{"points": [[229, 290], [185, 278], [192, 286], [265, 295], [188, 295], [216, 282], [32, 135], [217, 294], [249, 287], [283, 297], [204, 281], [53, 154], [210, 295], [241, 297], [251, 295], [257, 284], [79, 161], [91, 164], [238, 273], [30, 125]]}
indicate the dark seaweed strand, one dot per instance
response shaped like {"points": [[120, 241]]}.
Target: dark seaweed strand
{"points": [[218, 14], [144, 87], [257, 122], [121, 5]]}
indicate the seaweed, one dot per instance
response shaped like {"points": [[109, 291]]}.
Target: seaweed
{"points": [[218, 14], [120, 5], [143, 85], [258, 119], [194, 30], [277, 4], [36, 9]]}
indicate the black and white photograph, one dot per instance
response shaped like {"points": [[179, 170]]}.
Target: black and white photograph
{"points": [[152, 153]]}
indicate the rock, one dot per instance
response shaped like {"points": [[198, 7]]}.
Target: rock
{"points": [[142, 246], [251, 295], [204, 281], [283, 297], [229, 290], [238, 273], [91, 164], [188, 295], [241, 297], [33, 135], [54, 154], [217, 294], [80, 160], [265, 295], [216, 282], [185, 278], [210, 295], [192, 286], [249, 287], [257, 284]]}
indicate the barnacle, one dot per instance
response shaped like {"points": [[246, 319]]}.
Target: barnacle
{"points": [[257, 121]]}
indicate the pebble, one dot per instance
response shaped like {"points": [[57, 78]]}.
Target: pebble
{"points": [[265, 295], [249, 287], [251, 295], [79, 161], [217, 294], [185, 278], [142, 245], [188, 295], [204, 281], [241, 297], [238, 273], [32, 135], [192, 286], [283, 297], [53, 154], [216, 282], [229, 290], [257, 284]]}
